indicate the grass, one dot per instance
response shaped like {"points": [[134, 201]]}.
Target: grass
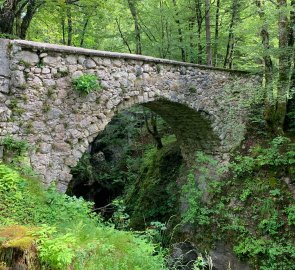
{"points": [[66, 233]]}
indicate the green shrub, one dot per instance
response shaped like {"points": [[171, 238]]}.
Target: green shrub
{"points": [[68, 234], [19, 147], [251, 207], [87, 83], [196, 212], [280, 152], [291, 215]]}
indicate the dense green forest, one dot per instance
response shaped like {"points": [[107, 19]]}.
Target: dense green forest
{"points": [[135, 201]]}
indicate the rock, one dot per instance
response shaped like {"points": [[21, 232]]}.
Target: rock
{"points": [[52, 61], [81, 59], [49, 82], [183, 256], [4, 85], [4, 62], [63, 83], [63, 70], [62, 147], [42, 55], [37, 82], [89, 63], [38, 126], [45, 70], [138, 71], [77, 74], [223, 257], [37, 70], [104, 85], [54, 113], [117, 63], [18, 79], [45, 148], [93, 129], [71, 60], [27, 57], [71, 161], [106, 62]]}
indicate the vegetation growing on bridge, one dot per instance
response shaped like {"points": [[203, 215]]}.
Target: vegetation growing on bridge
{"points": [[86, 83]]}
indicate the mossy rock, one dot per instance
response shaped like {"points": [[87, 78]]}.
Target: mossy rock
{"points": [[155, 195], [18, 249]]}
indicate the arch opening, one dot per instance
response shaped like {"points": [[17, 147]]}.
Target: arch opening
{"points": [[121, 160]]}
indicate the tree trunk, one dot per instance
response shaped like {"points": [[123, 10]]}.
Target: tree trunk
{"points": [[7, 16], [290, 116], [154, 129], [122, 35], [70, 24], [208, 34], [198, 4], [268, 67], [63, 26], [32, 7], [284, 69], [180, 34], [216, 38], [191, 38], [231, 38], [16, 16], [132, 7], [162, 49], [84, 31]]}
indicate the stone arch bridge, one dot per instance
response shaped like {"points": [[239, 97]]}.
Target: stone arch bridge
{"points": [[206, 107]]}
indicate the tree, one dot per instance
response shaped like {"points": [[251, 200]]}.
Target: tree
{"points": [[280, 105], [208, 34], [180, 32], [16, 16], [290, 116], [268, 63], [199, 17], [228, 60], [31, 8], [216, 38], [137, 31], [8, 11], [153, 130]]}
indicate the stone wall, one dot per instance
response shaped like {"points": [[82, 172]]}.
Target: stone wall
{"points": [[205, 107]]}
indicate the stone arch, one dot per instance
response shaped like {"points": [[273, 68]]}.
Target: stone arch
{"points": [[39, 104], [193, 130]]}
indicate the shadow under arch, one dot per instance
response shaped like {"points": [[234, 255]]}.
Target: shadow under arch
{"points": [[192, 128]]}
